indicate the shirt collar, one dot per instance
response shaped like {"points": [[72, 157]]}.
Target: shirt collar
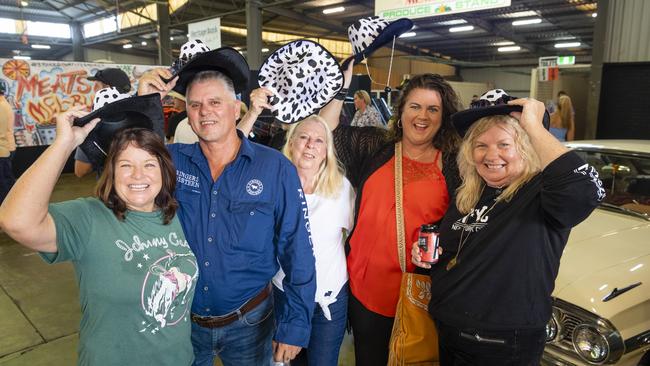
{"points": [[245, 149]]}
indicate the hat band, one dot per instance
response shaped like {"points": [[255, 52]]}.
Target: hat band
{"points": [[390, 66]]}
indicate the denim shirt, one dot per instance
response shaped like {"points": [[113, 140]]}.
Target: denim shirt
{"points": [[242, 227]]}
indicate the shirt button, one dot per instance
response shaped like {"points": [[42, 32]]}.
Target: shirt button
{"points": [[210, 239], [252, 213], [214, 192], [213, 215], [207, 310], [205, 288], [207, 264]]}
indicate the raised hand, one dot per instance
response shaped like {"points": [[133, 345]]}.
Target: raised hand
{"points": [[152, 82], [68, 134]]}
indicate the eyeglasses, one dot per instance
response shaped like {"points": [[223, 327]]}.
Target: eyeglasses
{"points": [[482, 103]]}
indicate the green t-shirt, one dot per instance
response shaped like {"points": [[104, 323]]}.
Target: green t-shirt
{"points": [[136, 284]]}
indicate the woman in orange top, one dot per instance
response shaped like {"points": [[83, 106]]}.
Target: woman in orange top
{"points": [[430, 176]]}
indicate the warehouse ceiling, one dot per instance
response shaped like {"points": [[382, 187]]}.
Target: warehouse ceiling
{"points": [[561, 21]]}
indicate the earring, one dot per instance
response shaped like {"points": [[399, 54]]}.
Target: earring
{"points": [[399, 123]]}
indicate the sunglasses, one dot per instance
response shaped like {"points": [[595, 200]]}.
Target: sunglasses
{"points": [[482, 103]]}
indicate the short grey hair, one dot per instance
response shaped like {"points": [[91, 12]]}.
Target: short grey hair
{"points": [[203, 76]]}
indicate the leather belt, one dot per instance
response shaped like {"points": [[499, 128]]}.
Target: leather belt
{"points": [[223, 320]]}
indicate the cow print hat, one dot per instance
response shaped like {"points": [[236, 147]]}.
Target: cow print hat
{"points": [[118, 111], [196, 57], [491, 103], [371, 33], [304, 77]]}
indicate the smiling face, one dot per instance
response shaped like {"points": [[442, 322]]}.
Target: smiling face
{"points": [[421, 116], [212, 110], [309, 146], [138, 178], [496, 157]]}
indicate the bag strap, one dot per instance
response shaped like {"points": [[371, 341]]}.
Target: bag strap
{"points": [[399, 212]]}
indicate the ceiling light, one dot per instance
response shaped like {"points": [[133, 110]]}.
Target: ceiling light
{"points": [[509, 49], [527, 21], [453, 22], [143, 43], [407, 35], [521, 14], [464, 28], [337, 9], [565, 38], [22, 57], [128, 45], [41, 46], [265, 50], [24, 3], [505, 43], [567, 45], [593, 15], [171, 38]]}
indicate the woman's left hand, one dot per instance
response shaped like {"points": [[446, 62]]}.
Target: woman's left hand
{"points": [[532, 114]]}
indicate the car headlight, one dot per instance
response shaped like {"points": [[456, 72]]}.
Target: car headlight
{"points": [[554, 328], [590, 344]]}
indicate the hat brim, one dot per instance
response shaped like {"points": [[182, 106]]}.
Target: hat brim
{"points": [[226, 60], [93, 78], [463, 120], [394, 29], [329, 84], [138, 111]]}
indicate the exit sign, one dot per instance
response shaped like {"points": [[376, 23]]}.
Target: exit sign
{"points": [[566, 60]]}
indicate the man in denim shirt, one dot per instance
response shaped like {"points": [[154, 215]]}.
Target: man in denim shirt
{"points": [[244, 214]]}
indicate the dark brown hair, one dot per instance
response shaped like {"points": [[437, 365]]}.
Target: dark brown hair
{"points": [[446, 139], [150, 142]]}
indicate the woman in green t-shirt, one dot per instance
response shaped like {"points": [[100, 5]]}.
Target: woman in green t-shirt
{"points": [[135, 269]]}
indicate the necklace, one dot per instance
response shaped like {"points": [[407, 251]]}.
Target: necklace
{"points": [[461, 242], [418, 156]]}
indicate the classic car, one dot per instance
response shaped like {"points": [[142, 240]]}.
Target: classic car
{"points": [[601, 311]]}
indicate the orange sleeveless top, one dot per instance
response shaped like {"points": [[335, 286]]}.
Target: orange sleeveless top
{"points": [[373, 263]]}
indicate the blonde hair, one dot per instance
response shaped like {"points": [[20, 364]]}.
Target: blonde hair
{"points": [[363, 95], [565, 107], [469, 192], [329, 178]]}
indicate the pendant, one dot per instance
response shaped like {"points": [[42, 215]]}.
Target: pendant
{"points": [[451, 264]]}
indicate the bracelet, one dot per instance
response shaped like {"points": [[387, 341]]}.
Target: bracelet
{"points": [[342, 94]]}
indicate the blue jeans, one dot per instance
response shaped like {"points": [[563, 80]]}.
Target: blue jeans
{"points": [[326, 335], [244, 342]]}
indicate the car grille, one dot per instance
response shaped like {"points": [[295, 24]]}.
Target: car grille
{"points": [[569, 323]]}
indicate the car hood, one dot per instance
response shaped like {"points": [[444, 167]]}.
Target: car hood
{"points": [[608, 250]]}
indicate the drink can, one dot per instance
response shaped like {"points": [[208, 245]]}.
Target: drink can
{"points": [[428, 243]]}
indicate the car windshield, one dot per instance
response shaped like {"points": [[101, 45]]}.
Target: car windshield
{"points": [[626, 179]]}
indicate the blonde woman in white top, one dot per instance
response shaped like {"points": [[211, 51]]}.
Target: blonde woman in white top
{"points": [[330, 201]]}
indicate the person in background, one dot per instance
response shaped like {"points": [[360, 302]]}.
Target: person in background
{"points": [[7, 144], [424, 132], [111, 77], [502, 238], [474, 98], [103, 237], [366, 114], [175, 117], [563, 120]]}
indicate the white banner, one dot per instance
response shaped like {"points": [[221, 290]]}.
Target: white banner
{"points": [[39, 90], [208, 31], [395, 9]]}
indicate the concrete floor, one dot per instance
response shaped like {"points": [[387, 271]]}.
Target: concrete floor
{"points": [[39, 307]]}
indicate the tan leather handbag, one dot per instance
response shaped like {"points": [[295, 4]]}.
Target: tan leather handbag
{"points": [[414, 339]]}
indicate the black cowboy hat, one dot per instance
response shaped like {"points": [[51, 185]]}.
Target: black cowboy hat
{"points": [[196, 57], [117, 112], [491, 103]]}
